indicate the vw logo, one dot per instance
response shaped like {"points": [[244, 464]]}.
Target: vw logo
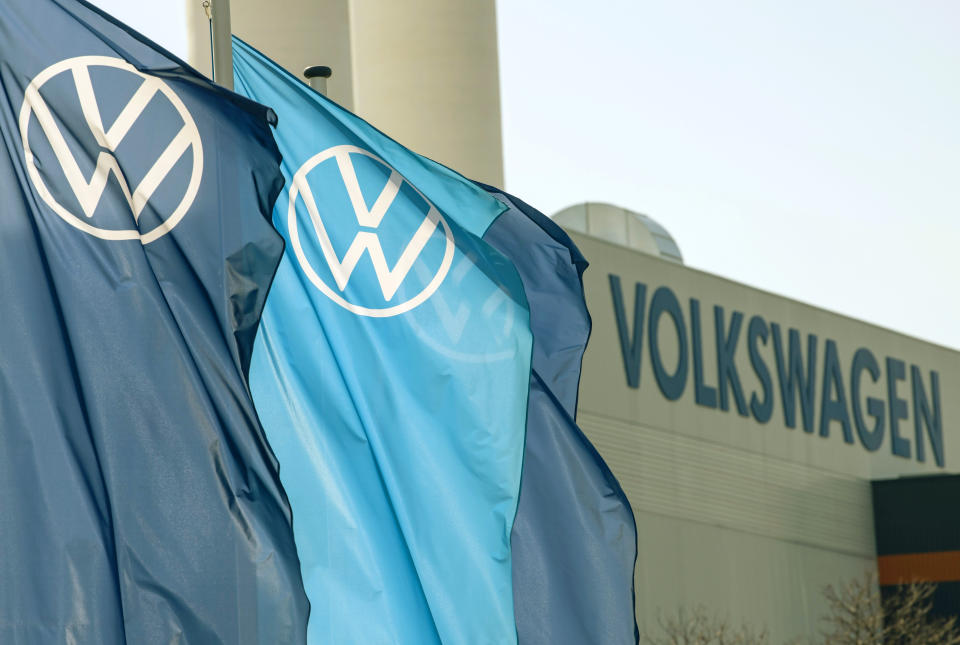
{"points": [[73, 181], [447, 333], [399, 229]]}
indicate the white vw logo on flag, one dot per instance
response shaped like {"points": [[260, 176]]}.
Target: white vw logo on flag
{"points": [[455, 314], [366, 241], [89, 193]]}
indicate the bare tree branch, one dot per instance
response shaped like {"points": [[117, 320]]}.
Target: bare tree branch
{"points": [[860, 616], [697, 627], [857, 615]]}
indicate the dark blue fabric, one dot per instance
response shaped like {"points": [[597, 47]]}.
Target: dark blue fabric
{"points": [[551, 267], [574, 540], [139, 500]]}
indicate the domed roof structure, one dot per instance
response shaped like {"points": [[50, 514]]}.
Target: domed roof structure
{"points": [[620, 226]]}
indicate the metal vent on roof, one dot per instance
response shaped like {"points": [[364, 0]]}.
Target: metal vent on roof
{"points": [[620, 226]]}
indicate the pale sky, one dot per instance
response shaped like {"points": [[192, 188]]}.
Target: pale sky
{"points": [[811, 149]]}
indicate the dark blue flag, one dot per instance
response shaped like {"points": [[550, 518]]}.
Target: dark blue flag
{"points": [[139, 500], [574, 539]]}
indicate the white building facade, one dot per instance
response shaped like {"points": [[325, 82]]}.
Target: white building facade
{"points": [[746, 428]]}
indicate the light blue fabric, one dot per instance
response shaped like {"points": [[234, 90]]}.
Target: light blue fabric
{"points": [[394, 395]]}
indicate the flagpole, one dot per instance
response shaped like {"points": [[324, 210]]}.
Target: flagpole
{"points": [[219, 12], [317, 76]]}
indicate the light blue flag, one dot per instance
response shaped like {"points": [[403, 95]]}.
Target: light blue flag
{"points": [[391, 374]]}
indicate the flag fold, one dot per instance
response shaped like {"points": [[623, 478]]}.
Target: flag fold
{"points": [[574, 540]]}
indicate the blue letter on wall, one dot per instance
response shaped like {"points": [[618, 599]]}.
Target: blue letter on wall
{"points": [[923, 415], [833, 408], [896, 371], [871, 439], [726, 353], [631, 345], [761, 411], [703, 394], [793, 381], [671, 385]]}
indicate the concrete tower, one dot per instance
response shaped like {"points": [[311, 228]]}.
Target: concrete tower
{"points": [[423, 71]]}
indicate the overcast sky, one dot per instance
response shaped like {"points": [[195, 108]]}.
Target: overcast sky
{"points": [[808, 148]]}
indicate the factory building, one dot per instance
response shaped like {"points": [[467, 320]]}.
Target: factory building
{"points": [[747, 430], [753, 434]]}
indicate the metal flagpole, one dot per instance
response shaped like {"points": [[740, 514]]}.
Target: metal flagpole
{"points": [[218, 12], [206, 9], [317, 76]]}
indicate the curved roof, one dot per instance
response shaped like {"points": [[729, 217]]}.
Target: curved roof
{"points": [[620, 226]]}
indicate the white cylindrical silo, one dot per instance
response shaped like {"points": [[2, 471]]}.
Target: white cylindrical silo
{"points": [[295, 33], [426, 72], [423, 71]]}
